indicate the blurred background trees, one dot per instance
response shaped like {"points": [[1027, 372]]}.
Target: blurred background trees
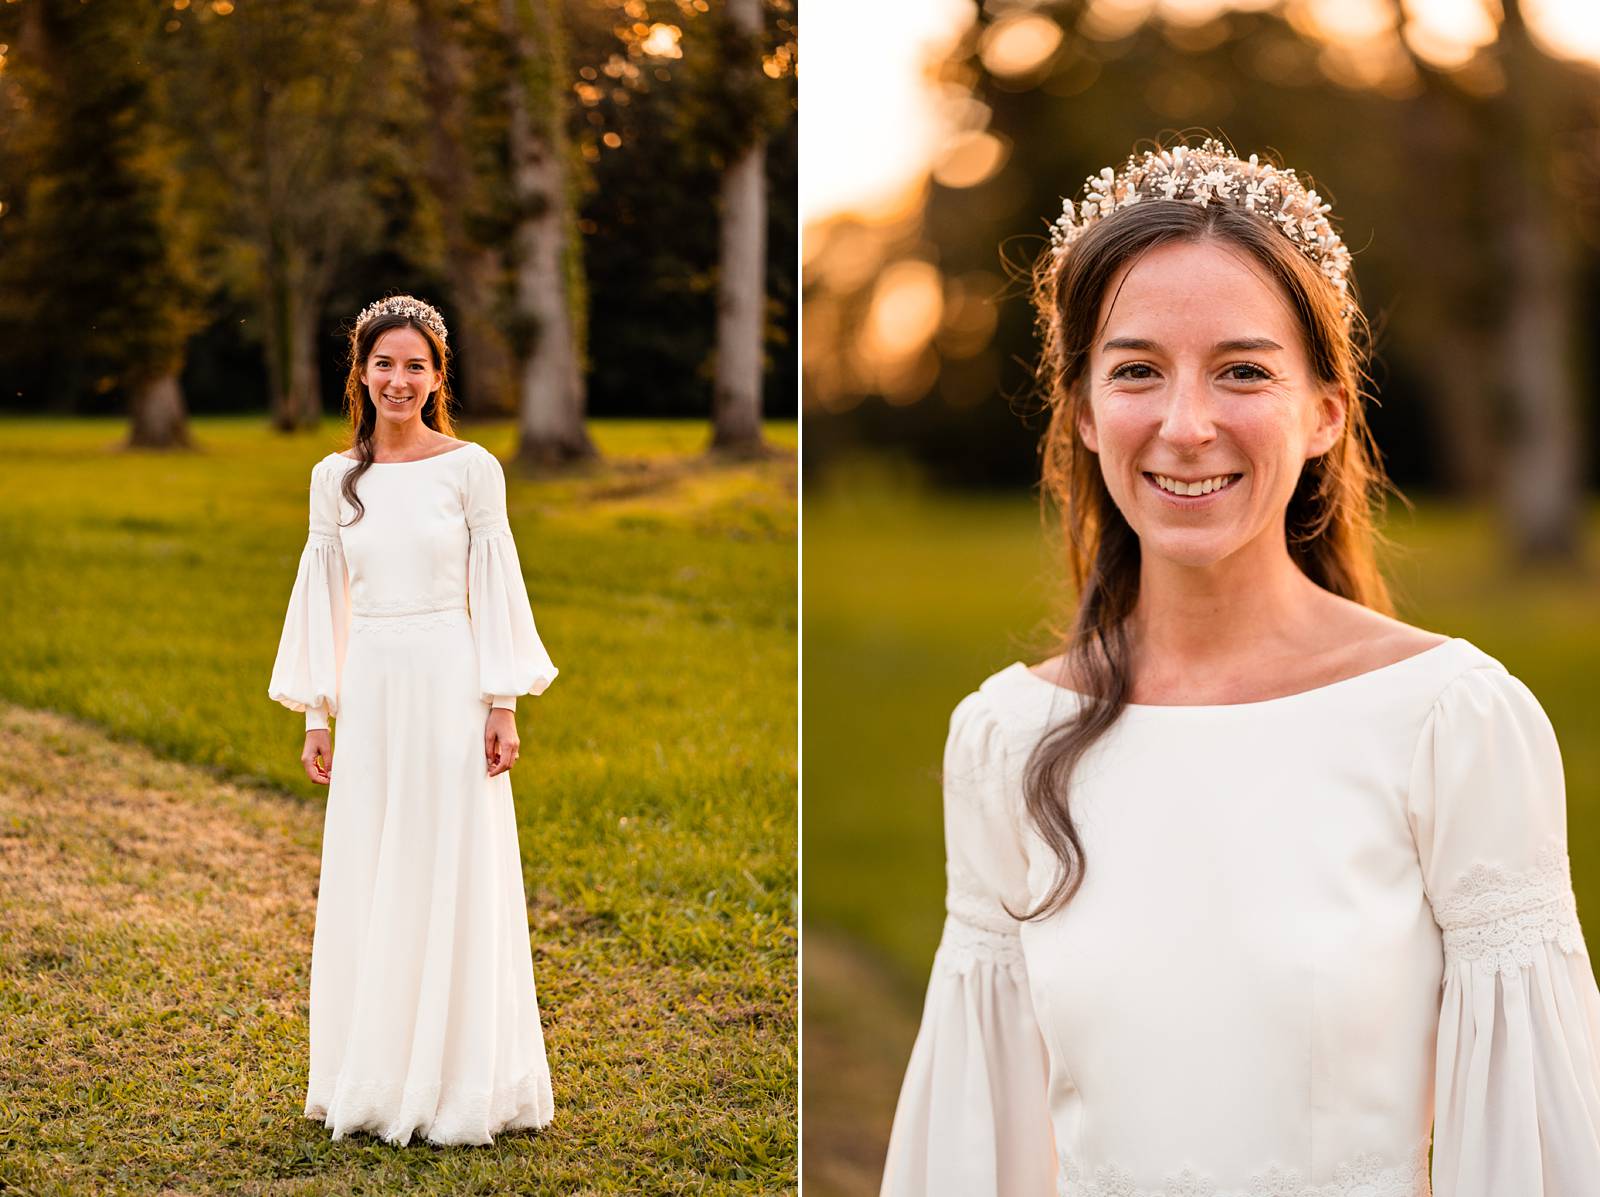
{"points": [[1460, 142], [197, 196]]}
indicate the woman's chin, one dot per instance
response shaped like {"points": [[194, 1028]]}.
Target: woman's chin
{"points": [[1188, 550]]}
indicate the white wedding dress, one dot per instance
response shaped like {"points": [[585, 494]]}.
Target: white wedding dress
{"points": [[1311, 930], [406, 627]]}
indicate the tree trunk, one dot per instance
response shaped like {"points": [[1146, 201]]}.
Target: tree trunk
{"points": [[474, 279], [305, 373], [474, 271], [1543, 481], [160, 420], [289, 335], [551, 403], [1438, 130], [742, 282], [275, 339]]}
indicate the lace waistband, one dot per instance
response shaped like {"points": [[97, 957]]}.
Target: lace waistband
{"points": [[405, 618], [1369, 1175]]}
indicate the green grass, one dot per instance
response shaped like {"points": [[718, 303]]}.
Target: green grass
{"points": [[912, 598], [144, 594]]}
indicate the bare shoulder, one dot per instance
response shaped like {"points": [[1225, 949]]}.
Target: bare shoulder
{"points": [[1369, 639]]}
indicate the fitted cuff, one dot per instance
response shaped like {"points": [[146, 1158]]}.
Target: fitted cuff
{"points": [[504, 702], [316, 719]]}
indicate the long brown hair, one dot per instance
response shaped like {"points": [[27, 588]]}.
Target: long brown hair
{"points": [[358, 404], [1330, 520]]}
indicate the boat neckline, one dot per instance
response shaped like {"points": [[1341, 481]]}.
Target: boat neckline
{"points": [[415, 460], [1353, 679]]}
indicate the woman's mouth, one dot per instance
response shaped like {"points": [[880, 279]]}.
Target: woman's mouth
{"points": [[1190, 492], [398, 400]]}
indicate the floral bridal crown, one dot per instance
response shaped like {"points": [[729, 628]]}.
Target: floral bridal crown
{"points": [[404, 305], [1206, 174]]}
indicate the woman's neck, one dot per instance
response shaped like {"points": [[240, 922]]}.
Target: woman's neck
{"points": [[409, 438], [1256, 603]]}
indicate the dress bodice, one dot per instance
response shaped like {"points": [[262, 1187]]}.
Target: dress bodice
{"points": [[1298, 922], [408, 551], [434, 541]]}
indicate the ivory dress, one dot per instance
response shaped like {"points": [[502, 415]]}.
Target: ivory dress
{"points": [[405, 628], [1310, 929]]}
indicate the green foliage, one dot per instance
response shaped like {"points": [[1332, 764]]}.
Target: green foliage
{"points": [[655, 800], [98, 174], [326, 153]]}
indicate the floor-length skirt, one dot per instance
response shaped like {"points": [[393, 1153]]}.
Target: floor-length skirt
{"points": [[423, 1014]]}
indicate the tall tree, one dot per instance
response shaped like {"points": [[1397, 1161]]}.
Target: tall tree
{"points": [[455, 47], [101, 177], [545, 332], [741, 279], [1543, 471], [300, 117]]}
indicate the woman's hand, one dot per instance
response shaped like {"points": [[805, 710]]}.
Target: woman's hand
{"points": [[500, 743], [317, 756]]}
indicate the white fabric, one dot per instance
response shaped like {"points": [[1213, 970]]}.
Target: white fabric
{"points": [[423, 1014], [1311, 929]]}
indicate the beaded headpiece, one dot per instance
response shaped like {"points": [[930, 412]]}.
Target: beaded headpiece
{"points": [[1206, 174], [404, 305]]}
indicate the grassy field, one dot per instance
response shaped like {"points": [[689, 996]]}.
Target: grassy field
{"points": [[143, 598], [911, 599]]}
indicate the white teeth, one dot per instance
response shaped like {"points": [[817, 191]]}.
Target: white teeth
{"points": [[1204, 487]]}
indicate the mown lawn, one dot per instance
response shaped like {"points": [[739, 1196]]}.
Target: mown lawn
{"points": [[912, 598], [143, 595]]}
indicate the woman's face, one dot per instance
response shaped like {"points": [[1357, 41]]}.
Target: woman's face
{"points": [[399, 375], [1199, 381]]}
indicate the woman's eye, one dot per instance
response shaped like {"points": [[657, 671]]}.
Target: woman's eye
{"points": [[1245, 372], [1133, 372]]}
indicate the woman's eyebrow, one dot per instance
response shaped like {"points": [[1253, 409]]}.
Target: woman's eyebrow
{"points": [[1243, 345]]}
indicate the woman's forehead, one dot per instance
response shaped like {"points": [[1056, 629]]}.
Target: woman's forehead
{"points": [[401, 342], [1195, 291]]}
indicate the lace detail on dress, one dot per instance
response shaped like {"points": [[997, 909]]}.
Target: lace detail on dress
{"points": [[316, 540], [963, 947], [1500, 919], [1366, 1176], [500, 527], [397, 618]]}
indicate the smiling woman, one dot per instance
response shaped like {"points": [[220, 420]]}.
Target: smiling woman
{"points": [[410, 624], [1253, 888]]}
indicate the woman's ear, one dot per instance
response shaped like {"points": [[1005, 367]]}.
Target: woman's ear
{"points": [[1332, 407], [1087, 433]]}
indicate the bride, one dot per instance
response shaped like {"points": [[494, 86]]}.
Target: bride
{"points": [[1254, 890]]}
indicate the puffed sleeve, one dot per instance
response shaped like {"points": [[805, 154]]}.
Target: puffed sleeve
{"points": [[305, 675], [511, 657], [973, 1117], [1517, 1075]]}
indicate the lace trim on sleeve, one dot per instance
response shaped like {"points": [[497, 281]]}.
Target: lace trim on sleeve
{"points": [[963, 947], [1498, 919], [322, 538]]}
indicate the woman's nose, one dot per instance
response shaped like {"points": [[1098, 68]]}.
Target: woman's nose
{"points": [[1189, 420]]}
